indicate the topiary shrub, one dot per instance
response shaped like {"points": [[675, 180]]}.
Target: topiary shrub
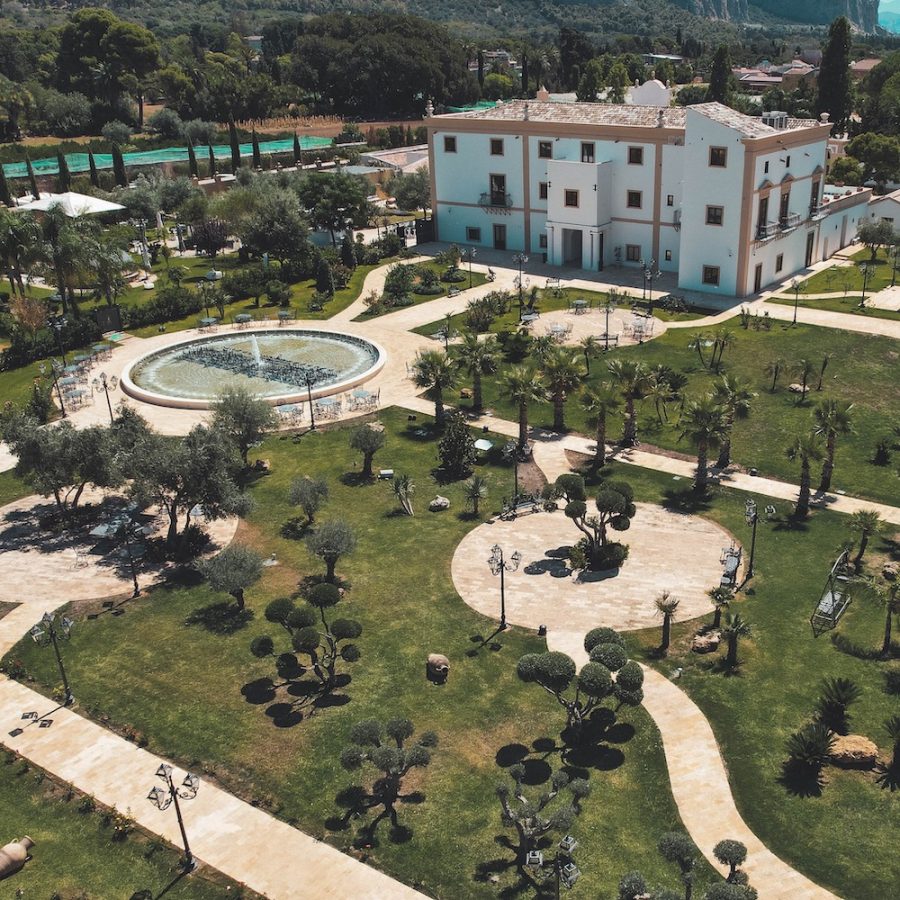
{"points": [[612, 556]]}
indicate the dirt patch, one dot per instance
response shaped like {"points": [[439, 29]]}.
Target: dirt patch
{"points": [[531, 477], [6, 608]]}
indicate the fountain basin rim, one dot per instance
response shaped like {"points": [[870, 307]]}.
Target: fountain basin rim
{"points": [[139, 393]]}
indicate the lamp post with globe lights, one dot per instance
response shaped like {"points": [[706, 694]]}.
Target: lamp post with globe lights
{"points": [[163, 798], [751, 515], [499, 566], [106, 383]]}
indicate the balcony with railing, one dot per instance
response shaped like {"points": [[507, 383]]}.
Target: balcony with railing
{"points": [[816, 212], [790, 221], [495, 200], [766, 230]]}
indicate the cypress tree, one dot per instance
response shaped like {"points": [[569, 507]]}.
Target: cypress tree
{"points": [[720, 76], [212, 162], [834, 95], [298, 151], [348, 256], [525, 75], [257, 157], [32, 181], [118, 161], [5, 195], [95, 175], [235, 147], [192, 160], [481, 68], [64, 179]]}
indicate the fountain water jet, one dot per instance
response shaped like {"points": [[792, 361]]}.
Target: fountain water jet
{"points": [[254, 349]]}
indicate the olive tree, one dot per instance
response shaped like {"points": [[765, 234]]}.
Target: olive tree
{"points": [[232, 571], [615, 510], [553, 810], [309, 494], [609, 673], [243, 417], [330, 541], [368, 440], [678, 848]]}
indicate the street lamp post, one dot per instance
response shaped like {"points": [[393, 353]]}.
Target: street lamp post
{"points": [[51, 633], [57, 323], [106, 383], [795, 287], [650, 273], [866, 271], [520, 259], [55, 376], [468, 255], [751, 514], [499, 566], [163, 798]]}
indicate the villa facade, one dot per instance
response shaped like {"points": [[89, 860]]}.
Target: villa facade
{"points": [[729, 202]]}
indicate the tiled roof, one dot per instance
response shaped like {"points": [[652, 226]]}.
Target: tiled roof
{"points": [[579, 114], [748, 126]]}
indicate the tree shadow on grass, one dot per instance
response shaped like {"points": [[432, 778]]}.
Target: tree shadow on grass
{"points": [[687, 500], [220, 618], [356, 479], [843, 644], [889, 777], [260, 691], [801, 780], [295, 529]]}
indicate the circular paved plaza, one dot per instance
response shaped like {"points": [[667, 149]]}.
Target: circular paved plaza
{"points": [[668, 551]]}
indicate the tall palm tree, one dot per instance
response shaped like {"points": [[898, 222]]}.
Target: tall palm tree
{"points": [[887, 596], [434, 371], [804, 370], [721, 598], [736, 627], [832, 417], [562, 373], [599, 400], [478, 358], [666, 606], [631, 378], [698, 342], [723, 339], [590, 346], [805, 447], [522, 385], [704, 425], [867, 523], [733, 394], [826, 358], [660, 393], [20, 238], [774, 368]]}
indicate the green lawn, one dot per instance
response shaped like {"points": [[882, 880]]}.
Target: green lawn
{"points": [[849, 279], [74, 855], [12, 488], [181, 686], [477, 280], [862, 369], [773, 693], [848, 305]]}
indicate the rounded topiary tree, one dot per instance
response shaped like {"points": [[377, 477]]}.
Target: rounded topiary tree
{"points": [[615, 510], [330, 541], [732, 854]]}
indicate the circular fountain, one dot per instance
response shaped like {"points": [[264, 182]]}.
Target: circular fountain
{"points": [[281, 366]]}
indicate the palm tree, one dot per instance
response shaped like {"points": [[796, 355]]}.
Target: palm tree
{"points": [[826, 358], [832, 417], [733, 394], [434, 371], [888, 598], [660, 393], [892, 727], [774, 368], [698, 342], [20, 238], [631, 378], [666, 606], [562, 373], [475, 490], [704, 425], [599, 401], [805, 447], [403, 488], [804, 370], [831, 707], [478, 358], [522, 385], [736, 627], [868, 523], [590, 346], [721, 598], [724, 338]]}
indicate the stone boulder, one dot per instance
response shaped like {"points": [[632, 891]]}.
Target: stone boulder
{"points": [[437, 668], [853, 751], [439, 503], [706, 643], [890, 571]]}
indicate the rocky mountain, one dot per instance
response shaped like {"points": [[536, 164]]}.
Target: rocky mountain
{"points": [[862, 13]]}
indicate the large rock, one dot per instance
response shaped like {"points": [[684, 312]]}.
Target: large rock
{"points": [[853, 751], [439, 503], [890, 571], [706, 643]]}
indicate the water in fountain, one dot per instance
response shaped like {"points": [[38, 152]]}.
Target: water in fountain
{"points": [[254, 349]]}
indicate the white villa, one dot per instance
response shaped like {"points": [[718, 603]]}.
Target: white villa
{"points": [[729, 202]]}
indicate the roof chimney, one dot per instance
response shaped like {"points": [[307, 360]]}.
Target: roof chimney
{"points": [[661, 118], [429, 109], [526, 110]]}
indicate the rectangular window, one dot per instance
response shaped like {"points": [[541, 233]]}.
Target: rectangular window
{"points": [[545, 149], [496, 146], [449, 143], [668, 256], [542, 241], [814, 197], [571, 198], [787, 162], [632, 252], [634, 199], [542, 190], [498, 190], [779, 262], [473, 235], [587, 152], [718, 156], [670, 199], [711, 275], [766, 168], [785, 207], [714, 215], [635, 156]]}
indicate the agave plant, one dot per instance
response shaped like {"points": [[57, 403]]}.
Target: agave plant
{"points": [[832, 706]]}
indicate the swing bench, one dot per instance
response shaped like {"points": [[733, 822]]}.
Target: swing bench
{"points": [[835, 597]]}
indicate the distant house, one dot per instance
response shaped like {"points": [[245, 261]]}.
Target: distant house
{"points": [[862, 67], [886, 208]]}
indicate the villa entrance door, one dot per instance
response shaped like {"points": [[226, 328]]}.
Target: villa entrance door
{"points": [[499, 237]]}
